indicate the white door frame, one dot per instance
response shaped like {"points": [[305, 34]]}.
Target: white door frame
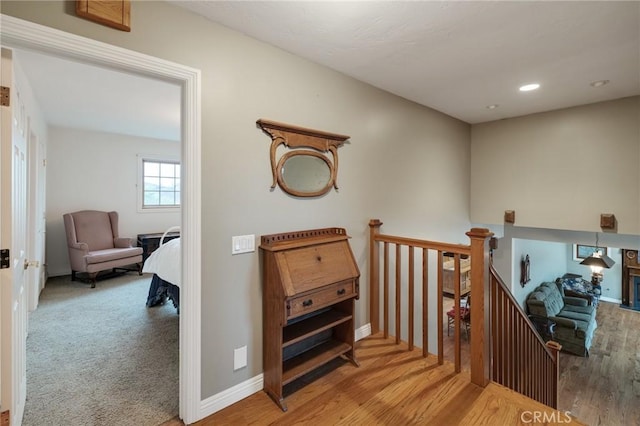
{"points": [[35, 255], [18, 33], [14, 152]]}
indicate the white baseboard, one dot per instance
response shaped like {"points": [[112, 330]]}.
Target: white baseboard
{"points": [[230, 396], [363, 332], [610, 299], [58, 273], [247, 388]]}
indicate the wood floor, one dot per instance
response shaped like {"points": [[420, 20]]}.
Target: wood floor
{"points": [[604, 389], [393, 386]]}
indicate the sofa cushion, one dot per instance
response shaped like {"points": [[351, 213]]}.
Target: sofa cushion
{"points": [[100, 256], [589, 309], [576, 316], [575, 335], [576, 301], [545, 300]]}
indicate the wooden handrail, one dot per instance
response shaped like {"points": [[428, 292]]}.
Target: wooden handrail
{"points": [[505, 346], [425, 244]]}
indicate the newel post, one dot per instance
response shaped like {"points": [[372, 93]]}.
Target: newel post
{"points": [[480, 297], [374, 276]]}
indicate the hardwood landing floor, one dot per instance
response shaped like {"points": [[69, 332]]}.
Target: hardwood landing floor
{"points": [[602, 390], [392, 387]]}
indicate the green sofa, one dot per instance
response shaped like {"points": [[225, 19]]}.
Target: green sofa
{"points": [[575, 320]]}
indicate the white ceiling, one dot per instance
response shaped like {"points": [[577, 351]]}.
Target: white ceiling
{"points": [[458, 57], [77, 95], [454, 56]]}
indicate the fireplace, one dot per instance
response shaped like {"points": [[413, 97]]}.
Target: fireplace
{"points": [[636, 292]]}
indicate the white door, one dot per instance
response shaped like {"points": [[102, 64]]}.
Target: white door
{"points": [[13, 220], [36, 223]]}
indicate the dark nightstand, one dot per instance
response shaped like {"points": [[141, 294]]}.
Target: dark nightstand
{"points": [[150, 242]]}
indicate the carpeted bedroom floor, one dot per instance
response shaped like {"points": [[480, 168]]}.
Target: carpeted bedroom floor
{"points": [[100, 356]]}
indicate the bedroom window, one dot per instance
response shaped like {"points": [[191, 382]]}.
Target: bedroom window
{"points": [[160, 183]]}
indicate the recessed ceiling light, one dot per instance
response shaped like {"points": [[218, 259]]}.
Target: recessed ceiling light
{"points": [[529, 87], [599, 83], [492, 106]]}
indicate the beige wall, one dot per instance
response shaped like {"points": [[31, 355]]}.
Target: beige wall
{"points": [[560, 169], [405, 164]]}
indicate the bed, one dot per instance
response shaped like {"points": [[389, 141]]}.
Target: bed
{"points": [[165, 265]]}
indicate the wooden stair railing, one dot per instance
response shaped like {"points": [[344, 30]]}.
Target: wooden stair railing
{"points": [[408, 246], [516, 357], [521, 359]]}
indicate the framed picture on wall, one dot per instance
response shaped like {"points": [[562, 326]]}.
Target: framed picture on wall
{"points": [[581, 252]]}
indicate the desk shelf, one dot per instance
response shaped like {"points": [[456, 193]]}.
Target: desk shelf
{"points": [[301, 330], [312, 359]]}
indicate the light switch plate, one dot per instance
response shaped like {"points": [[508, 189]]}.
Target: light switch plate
{"points": [[243, 244]]}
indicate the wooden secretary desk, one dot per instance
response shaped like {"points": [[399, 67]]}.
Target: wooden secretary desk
{"points": [[310, 283]]}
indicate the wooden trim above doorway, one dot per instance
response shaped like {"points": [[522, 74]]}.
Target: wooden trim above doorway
{"points": [[114, 14]]}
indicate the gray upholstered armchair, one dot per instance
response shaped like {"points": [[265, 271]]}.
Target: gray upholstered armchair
{"points": [[94, 244]]}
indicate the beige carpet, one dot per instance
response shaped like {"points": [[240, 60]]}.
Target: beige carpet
{"points": [[100, 356]]}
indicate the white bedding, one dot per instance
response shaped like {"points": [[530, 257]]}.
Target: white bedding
{"points": [[165, 262]]}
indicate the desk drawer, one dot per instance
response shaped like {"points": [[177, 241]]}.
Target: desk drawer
{"points": [[324, 296]]}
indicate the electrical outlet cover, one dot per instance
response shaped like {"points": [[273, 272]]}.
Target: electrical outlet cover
{"points": [[239, 358]]}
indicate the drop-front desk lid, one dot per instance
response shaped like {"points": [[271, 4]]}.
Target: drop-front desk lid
{"points": [[307, 260]]}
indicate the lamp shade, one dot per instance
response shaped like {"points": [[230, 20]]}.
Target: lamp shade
{"points": [[602, 261]]}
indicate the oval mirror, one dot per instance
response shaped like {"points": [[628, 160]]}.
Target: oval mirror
{"points": [[305, 174]]}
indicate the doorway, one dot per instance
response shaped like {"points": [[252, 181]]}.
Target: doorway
{"points": [[17, 33]]}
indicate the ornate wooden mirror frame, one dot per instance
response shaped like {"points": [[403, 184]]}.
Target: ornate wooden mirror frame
{"points": [[305, 142]]}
